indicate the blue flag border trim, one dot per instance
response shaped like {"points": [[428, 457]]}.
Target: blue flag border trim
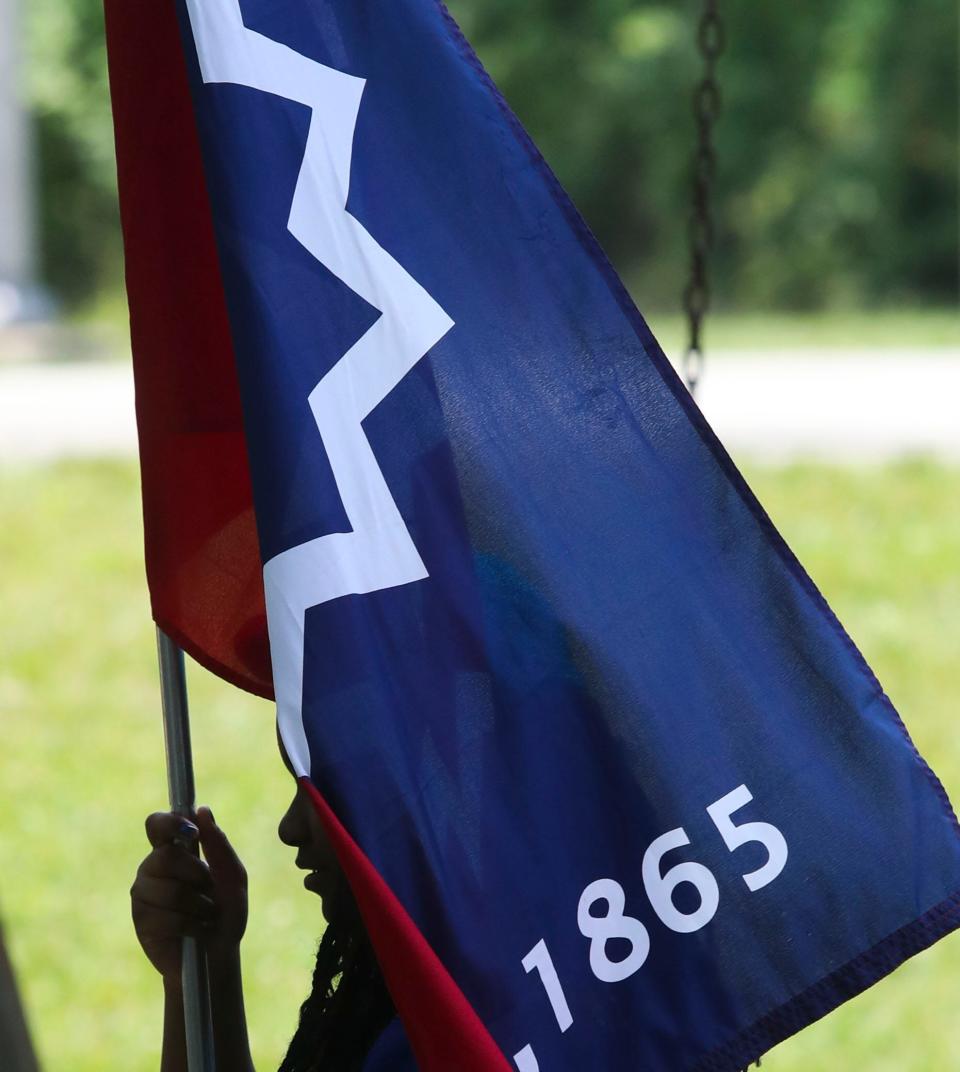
{"points": [[846, 982], [860, 973]]}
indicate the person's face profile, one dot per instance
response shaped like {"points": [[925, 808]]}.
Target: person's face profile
{"points": [[301, 828]]}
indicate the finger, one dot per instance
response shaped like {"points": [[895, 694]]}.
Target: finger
{"points": [[173, 862], [163, 924], [217, 848], [173, 897], [164, 827], [152, 893]]}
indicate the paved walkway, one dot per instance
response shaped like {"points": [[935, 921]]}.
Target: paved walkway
{"points": [[66, 410], [841, 405], [844, 405]]}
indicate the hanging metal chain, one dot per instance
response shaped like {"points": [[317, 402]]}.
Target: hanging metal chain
{"points": [[706, 109]]}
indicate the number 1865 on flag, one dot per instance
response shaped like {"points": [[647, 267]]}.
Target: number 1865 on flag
{"points": [[660, 887]]}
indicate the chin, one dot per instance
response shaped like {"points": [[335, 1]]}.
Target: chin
{"points": [[338, 911], [336, 904], [317, 883]]}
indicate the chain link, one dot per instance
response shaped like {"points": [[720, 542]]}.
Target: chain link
{"points": [[707, 104]]}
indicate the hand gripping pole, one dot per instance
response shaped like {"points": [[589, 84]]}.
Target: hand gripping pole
{"points": [[176, 735]]}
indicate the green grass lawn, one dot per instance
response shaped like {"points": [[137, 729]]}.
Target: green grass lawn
{"points": [[82, 759]]}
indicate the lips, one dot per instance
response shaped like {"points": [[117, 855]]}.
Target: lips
{"points": [[320, 875], [304, 863], [316, 881]]}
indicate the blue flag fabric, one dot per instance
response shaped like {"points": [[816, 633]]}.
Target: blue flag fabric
{"points": [[533, 637]]}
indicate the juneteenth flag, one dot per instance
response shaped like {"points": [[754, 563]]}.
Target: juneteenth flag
{"points": [[612, 785]]}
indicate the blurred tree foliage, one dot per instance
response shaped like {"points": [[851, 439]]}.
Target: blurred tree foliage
{"points": [[67, 87], [838, 142]]}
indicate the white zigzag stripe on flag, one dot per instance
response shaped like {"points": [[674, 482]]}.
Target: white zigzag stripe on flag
{"points": [[378, 553]]}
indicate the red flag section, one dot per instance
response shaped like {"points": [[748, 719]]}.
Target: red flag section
{"points": [[202, 555], [443, 1028]]}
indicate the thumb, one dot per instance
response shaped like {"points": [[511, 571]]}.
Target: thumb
{"points": [[219, 853]]}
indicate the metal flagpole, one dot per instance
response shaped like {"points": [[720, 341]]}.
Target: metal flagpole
{"points": [[176, 734]]}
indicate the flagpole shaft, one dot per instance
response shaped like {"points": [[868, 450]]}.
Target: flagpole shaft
{"points": [[176, 735]]}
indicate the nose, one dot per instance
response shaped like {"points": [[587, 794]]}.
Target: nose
{"points": [[290, 829]]}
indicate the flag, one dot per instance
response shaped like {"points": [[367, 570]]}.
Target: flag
{"points": [[611, 783]]}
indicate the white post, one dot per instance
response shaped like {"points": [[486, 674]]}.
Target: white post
{"points": [[19, 295]]}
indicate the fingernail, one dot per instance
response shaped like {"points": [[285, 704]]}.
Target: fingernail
{"points": [[187, 830]]}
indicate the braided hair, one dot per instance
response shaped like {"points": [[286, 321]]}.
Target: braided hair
{"points": [[348, 1006]]}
